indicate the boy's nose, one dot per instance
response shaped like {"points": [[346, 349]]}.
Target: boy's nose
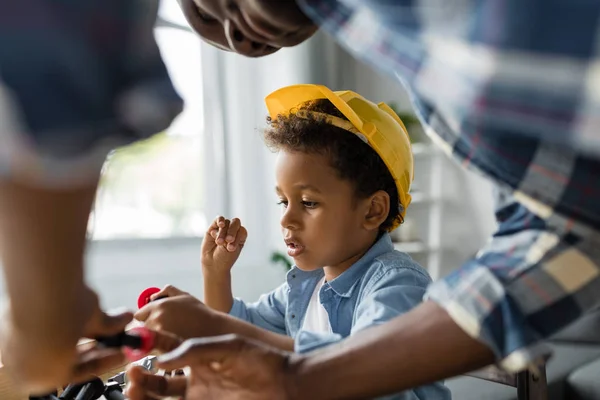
{"points": [[288, 221]]}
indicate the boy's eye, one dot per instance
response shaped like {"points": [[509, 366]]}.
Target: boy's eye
{"points": [[283, 203], [309, 204]]}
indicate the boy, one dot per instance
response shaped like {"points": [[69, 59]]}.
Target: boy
{"points": [[343, 172]]}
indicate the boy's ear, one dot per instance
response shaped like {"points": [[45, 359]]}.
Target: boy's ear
{"points": [[378, 208]]}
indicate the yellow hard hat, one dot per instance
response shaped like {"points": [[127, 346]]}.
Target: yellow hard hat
{"points": [[376, 124]]}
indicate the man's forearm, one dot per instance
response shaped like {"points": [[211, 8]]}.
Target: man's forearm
{"points": [[217, 290], [42, 240], [417, 348]]}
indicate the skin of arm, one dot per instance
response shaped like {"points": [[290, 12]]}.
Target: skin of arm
{"points": [[42, 241], [221, 247], [217, 289]]}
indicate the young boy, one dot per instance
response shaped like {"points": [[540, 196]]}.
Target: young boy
{"points": [[344, 169]]}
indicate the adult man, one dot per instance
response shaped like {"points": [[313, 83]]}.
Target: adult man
{"points": [[509, 89], [77, 78]]}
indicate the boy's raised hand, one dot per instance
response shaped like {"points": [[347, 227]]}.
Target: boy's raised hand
{"points": [[222, 244]]}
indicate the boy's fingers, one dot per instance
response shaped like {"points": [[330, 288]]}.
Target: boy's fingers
{"points": [[215, 224], [168, 291], [144, 385], [233, 229], [143, 313], [223, 227], [242, 237], [240, 240]]}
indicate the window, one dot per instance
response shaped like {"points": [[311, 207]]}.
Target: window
{"points": [[154, 188]]}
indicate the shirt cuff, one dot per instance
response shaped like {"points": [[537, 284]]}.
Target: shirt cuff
{"points": [[307, 341], [477, 302], [238, 309]]}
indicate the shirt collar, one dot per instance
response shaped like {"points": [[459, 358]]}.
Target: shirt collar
{"points": [[344, 284]]}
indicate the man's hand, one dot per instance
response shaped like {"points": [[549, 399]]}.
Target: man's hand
{"points": [[144, 385], [224, 367], [183, 315], [79, 363], [106, 324], [93, 360]]}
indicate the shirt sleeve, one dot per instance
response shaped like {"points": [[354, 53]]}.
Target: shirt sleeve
{"points": [[76, 94], [531, 280], [268, 312]]}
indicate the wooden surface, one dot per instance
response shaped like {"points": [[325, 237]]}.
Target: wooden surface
{"points": [[8, 391]]}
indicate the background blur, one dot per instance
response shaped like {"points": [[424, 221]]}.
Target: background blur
{"points": [[157, 197]]}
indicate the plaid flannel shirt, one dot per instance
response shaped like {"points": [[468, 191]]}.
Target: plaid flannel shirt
{"points": [[510, 89], [77, 79]]}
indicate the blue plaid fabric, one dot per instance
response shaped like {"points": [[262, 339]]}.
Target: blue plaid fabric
{"points": [[510, 89], [77, 79]]}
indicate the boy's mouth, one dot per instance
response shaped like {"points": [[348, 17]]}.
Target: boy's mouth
{"points": [[294, 248]]}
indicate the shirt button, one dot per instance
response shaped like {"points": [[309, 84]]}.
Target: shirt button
{"points": [[293, 276], [293, 316]]}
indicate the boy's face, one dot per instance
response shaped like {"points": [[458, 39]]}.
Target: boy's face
{"points": [[322, 221], [253, 28]]}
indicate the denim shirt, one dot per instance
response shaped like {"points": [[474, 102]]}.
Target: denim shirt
{"points": [[383, 284]]}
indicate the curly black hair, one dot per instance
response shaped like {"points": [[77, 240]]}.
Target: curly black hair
{"points": [[353, 159]]}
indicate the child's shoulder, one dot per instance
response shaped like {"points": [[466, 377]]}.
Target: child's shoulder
{"points": [[396, 263]]}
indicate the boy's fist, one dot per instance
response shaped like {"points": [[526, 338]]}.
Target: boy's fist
{"points": [[223, 243]]}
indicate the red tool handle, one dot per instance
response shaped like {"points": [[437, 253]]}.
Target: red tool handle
{"points": [[145, 296], [147, 343]]}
